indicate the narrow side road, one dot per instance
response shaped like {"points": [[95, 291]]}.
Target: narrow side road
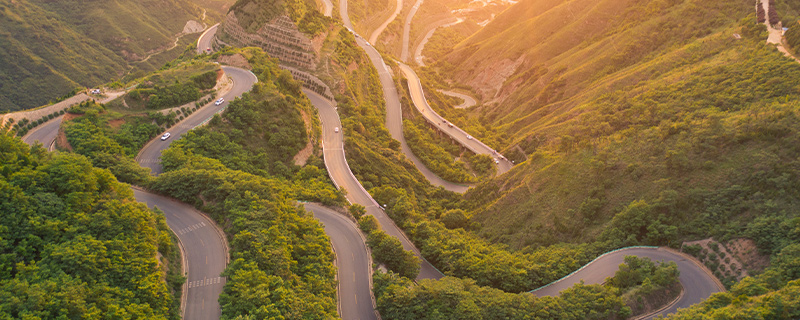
{"points": [[339, 171], [698, 283], [468, 101], [204, 250], [352, 262]]}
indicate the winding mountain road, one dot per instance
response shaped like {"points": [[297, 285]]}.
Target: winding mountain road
{"points": [[468, 101], [407, 30], [204, 250], [352, 263], [373, 38], [339, 171], [394, 111], [47, 132], [698, 283], [418, 57], [150, 155], [204, 41], [461, 136]]}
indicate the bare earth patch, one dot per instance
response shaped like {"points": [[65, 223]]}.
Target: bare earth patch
{"points": [[732, 261], [745, 251], [236, 60], [115, 124], [490, 80], [61, 138], [301, 157]]}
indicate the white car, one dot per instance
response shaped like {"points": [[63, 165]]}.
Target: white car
{"points": [[496, 161], [336, 129], [469, 137], [165, 136], [219, 101]]}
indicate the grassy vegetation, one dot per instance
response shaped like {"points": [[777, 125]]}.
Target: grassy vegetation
{"points": [[112, 135], [110, 140], [789, 12], [677, 134], [444, 39], [260, 132], [437, 151], [76, 243], [172, 86], [366, 16], [453, 298], [47, 48], [434, 156]]}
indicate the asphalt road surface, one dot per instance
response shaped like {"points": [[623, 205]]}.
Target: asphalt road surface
{"points": [[340, 173], [328, 8], [150, 155], [698, 283], [394, 112], [407, 30], [418, 97], [352, 262], [373, 38], [205, 254], [45, 133], [204, 41], [468, 101]]}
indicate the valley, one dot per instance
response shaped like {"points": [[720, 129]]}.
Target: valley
{"points": [[532, 178]]}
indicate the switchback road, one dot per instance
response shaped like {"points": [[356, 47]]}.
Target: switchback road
{"points": [[204, 251], [352, 262], [150, 155], [394, 112], [698, 283], [339, 171], [418, 97]]}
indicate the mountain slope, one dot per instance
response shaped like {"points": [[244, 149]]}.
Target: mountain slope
{"points": [[50, 47], [680, 133]]}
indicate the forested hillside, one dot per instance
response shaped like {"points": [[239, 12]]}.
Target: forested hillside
{"points": [[48, 48], [633, 123], [238, 169], [75, 244]]}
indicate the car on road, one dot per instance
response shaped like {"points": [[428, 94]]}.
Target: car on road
{"points": [[496, 161], [469, 137], [165, 136], [449, 124], [219, 101], [208, 50], [336, 129]]}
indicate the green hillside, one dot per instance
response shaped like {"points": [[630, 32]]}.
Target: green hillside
{"points": [[47, 48], [74, 243], [654, 128]]}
